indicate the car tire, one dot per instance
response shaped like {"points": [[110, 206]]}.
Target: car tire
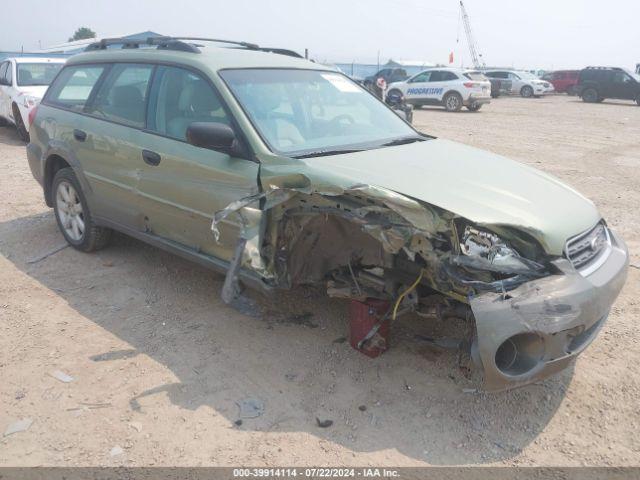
{"points": [[3, 121], [526, 91], [452, 102], [590, 95], [474, 107], [22, 130], [638, 99], [73, 215]]}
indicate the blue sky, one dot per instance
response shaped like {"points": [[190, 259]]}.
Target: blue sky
{"points": [[523, 34]]}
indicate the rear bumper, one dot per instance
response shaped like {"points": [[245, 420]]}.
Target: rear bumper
{"points": [[479, 100], [537, 329]]}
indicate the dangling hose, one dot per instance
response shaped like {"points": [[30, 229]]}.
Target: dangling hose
{"points": [[404, 294]]}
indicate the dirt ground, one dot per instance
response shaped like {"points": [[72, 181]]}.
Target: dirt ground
{"points": [[159, 363]]}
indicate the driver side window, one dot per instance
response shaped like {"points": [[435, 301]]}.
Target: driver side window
{"points": [[180, 97]]}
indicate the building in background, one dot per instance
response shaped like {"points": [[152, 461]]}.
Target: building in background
{"points": [[71, 48]]}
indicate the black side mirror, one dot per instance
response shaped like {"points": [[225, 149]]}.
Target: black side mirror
{"points": [[212, 135]]}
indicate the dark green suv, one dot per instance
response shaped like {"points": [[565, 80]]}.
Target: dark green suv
{"points": [[598, 83], [280, 172]]}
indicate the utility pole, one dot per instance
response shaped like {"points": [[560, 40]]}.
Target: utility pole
{"points": [[476, 57]]}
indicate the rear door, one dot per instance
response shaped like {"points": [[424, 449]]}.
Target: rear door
{"points": [[436, 86], [181, 186], [110, 150]]}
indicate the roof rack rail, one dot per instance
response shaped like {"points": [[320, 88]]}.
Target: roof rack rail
{"points": [[162, 43], [165, 43], [183, 44]]}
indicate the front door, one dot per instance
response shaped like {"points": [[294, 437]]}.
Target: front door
{"points": [[623, 86], [181, 186]]}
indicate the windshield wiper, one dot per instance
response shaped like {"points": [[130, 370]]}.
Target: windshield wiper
{"points": [[325, 153], [403, 141]]}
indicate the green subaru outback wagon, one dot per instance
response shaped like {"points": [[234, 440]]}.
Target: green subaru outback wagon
{"points": [[278, 172]]}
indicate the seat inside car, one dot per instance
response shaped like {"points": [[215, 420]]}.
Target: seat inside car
{"points": [[196, 103]]}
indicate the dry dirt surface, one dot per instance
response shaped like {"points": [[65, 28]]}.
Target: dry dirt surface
{"points": [[159, 364]]}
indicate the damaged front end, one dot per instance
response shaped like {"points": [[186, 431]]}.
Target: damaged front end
{"points": [[363, 242]]}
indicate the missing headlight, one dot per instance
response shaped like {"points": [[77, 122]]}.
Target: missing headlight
{"points": [[485, 250]]}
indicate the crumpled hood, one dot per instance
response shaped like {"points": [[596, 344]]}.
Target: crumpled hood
{"points": [[478, 185]]}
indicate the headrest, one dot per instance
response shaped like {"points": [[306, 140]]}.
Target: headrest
{"points": [[198, 97]]}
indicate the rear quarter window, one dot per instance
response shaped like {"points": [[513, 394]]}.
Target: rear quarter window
{"points": [[73, 87]]}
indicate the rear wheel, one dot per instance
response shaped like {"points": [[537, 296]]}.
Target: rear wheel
{"points": [[526, 91], [3, 121], [590, 95], [73, 215], [22, 130], [453, 102], [638, 99]]}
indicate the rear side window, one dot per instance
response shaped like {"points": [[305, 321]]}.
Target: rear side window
{"points": [[447, 76], [180, 97], [73, 86], [122, 96], [3, 69]]}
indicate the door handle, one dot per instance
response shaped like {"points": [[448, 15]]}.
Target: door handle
{"points": [[151, 158], [79, 135]]}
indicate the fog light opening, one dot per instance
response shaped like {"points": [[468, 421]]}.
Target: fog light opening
{"points": [[519, 354]]}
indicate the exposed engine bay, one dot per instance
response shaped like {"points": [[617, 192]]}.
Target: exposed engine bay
{"points": [[365, 242]]}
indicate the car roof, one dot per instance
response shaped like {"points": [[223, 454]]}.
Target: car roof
{"points": [[209, 58], [38, 59]]}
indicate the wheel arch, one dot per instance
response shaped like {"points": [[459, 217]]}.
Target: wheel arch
{"points": [[452, 91], [52, 165]]}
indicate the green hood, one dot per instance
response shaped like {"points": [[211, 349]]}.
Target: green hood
{"points": [[478, 185]]}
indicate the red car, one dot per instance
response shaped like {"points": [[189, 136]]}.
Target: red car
{"points": [[563, 80]]}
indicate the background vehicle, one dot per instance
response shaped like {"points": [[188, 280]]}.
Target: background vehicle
{"points": [[597, 83], [563, 81], [448, 87], [390, 75], [23, 82], [524, 84], [499, 86]]}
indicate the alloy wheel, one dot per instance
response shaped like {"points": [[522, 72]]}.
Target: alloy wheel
{"points": [[69, 211]]}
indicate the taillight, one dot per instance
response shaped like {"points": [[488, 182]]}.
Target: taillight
{"points": [[469, 84], [32, 115]]}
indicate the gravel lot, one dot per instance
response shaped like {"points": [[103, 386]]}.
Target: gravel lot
{"points": [[159, 363]]}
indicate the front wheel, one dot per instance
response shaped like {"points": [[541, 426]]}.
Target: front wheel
{"points": [[526, 91], [453, 102], [474, 107], [73, 216]]}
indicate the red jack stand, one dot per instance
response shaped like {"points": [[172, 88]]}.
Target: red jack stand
{"points": [[364, 317]]}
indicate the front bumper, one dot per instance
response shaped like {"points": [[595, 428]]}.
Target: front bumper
{"points": [[537, 329]]}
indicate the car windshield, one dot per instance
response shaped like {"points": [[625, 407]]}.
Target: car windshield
{"points": [[37, 74], [302, 112], [633, 75]]}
